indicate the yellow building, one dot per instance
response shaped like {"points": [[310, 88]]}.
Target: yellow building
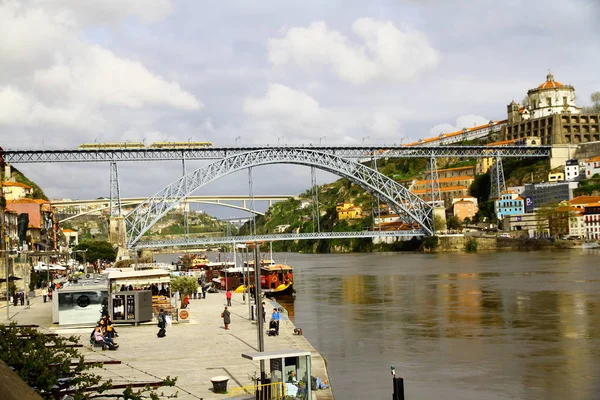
{"points": [[16, 190], [348, 211]]}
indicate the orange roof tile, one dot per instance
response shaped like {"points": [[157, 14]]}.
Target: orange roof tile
{"points": [[41, 201], [581, 200], [17, 184], [502, 142], [450, 179], [593, 159], [21, 201], [68, 230], [444, 189], [456, 169], [550, 83]]}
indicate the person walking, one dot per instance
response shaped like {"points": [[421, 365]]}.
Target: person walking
{"points": [[228, 296], [162, 324], [203, 291], [226, 318], [264, 313]]}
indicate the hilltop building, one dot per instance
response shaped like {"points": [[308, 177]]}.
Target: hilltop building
{"points": [[453, 183], [348, 211], [16, 190], [572, 170], [551, 115], [592, 167]]}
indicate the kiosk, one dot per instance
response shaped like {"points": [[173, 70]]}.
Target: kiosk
{"points": [[80, 304], [133, 306], [290, 368]]}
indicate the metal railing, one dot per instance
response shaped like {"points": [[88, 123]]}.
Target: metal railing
{"points": [[267, 391]]}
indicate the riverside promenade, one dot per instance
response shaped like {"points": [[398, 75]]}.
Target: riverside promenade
{"points": [[194, 352]]}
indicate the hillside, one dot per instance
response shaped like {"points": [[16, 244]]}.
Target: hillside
{"points": [[300, 214]]}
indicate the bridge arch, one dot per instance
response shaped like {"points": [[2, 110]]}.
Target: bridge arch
{"points": [[396, 196]]}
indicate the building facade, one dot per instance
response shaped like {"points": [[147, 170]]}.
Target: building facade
{"points": [[551, 115], [572, 170], [348, 211], [540, 194], [591, 217], [592, 167], [509, 203]]}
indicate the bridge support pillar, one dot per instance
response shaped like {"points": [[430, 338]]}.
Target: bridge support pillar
{"points": [[440, 213], [116, 231]]}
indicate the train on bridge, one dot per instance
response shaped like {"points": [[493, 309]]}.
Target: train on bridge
{"points": [[141, 145]]}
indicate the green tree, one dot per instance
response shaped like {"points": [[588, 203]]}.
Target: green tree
{"points": [[41, 361], [558, 217], [454, 223], [595, 107], [96, 250], [438, 223], [185, 285]]}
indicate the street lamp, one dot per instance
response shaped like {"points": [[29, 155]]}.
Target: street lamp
{"points": [[366, 137], [279, 138], [321, 138], [236, 139]]}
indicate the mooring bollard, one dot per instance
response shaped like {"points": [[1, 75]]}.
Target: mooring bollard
{"points": [[398, 385]]}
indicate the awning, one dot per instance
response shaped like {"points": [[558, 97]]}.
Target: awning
{"points": [[144, 277]]}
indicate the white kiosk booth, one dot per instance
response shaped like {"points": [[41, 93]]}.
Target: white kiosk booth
{"points": [[290, 368]]}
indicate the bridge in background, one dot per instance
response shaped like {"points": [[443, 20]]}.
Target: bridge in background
{"points": [[275, 238], [215, 153], [76, 208], [344, 161]]}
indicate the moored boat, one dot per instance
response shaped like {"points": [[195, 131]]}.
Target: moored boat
{"points": [[277, 280], [590, 245]]}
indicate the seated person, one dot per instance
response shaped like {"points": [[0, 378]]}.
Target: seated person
{"points": [[292, 378], [100, 339]]}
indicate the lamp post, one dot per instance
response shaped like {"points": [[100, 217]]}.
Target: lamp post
{"points": [[366, 137], [279, 138], [321, 138], [237, 138]]}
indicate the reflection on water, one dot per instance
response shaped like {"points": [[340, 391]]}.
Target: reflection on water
{"points": [[485, 326]]}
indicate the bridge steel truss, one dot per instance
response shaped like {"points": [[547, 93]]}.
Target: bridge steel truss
{"points": [[398, 198], [273, 238], [217, 153]]}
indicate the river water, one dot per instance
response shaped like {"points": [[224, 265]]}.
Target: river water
{"points": [[506, 325]]}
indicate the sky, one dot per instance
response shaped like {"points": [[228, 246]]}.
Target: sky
{"points": [[263, 72]]}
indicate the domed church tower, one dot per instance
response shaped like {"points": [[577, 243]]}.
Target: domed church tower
{"points": [[551, 97]]}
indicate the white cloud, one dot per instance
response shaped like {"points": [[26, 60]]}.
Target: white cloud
{"points": [[53, 76], [300, 118], [109, 11], [282, 102], [464, 121], [386, 52]]}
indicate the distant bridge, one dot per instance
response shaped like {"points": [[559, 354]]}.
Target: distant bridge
{"points": [[73, 207], [274, 238]]}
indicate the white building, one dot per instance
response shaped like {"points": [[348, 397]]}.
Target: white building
{"points": [[572, 170], [549, 98], [592, 167]]}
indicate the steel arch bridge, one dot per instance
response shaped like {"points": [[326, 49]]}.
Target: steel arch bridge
{"points": [[398, 198]]}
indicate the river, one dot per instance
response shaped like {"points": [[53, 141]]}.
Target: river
{"points": [[502, 325]]}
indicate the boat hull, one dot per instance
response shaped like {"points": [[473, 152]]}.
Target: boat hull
{"points": [[282, 290]]}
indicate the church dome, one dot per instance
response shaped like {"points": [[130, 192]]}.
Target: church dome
{"points": [[550, 83]]}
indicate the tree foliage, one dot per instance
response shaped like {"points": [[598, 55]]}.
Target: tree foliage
{"points": [[595, 107], [96, 250], [454, 222], [42, 362], [185, 285], [558, 217]]}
